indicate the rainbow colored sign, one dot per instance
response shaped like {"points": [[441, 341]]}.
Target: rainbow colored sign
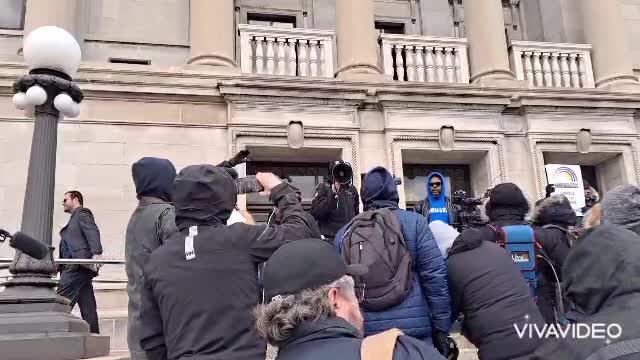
{"points": [[567, 180]]}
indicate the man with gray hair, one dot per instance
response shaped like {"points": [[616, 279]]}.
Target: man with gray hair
{"points": [[312, 310], [621, 206]]}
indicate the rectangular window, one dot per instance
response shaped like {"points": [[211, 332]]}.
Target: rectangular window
{"points": [[457, 177], [303, 175], [385, 27], [12, 14], [281, 21]]}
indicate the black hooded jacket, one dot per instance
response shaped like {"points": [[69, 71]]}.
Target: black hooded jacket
{"points": [[202, 285], [150, 225], [488, 289], [333, 211], [508, 206], [337, 339], [602, 279]]}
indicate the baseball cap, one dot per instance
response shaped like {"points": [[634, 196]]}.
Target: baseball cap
{"points": [[304, 264]]}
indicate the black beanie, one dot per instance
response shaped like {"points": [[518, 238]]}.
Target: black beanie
{"points": [[507, 195]]}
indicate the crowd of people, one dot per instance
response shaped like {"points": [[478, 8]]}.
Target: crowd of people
{"points": [[370, 282]]}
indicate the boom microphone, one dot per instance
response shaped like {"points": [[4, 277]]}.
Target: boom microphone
{"points": [[26, 244]]}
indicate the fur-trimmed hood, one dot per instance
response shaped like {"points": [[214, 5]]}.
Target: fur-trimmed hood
{"points": [[555, 210]]}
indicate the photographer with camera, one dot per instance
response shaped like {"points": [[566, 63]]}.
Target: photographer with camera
{"points": [[201, 286], [436, 206], [336, 202]]}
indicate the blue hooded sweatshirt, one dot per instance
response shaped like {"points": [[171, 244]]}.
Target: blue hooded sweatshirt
{"points": [[427, 307], [438, 205]]}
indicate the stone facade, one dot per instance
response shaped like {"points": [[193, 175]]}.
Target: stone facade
{"points": [[190, 84]]}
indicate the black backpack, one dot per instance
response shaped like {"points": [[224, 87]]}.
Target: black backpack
{"points": [[374, 238]]}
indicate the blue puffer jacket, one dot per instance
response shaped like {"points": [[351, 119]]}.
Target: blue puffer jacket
{"points": [[428, 306]]}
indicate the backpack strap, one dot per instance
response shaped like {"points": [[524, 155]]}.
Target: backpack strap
{"points": [[380, 346], [617, 350]]}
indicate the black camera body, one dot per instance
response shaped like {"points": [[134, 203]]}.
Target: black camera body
{"points": [[467, 211]]}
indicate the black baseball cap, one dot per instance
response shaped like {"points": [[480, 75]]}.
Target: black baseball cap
{"points": [[304, 264]]}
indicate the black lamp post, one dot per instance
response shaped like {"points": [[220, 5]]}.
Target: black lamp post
{"points": [[36, 323]]}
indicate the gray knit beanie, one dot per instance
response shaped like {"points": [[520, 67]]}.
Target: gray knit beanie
{"points": [[621, 206]]}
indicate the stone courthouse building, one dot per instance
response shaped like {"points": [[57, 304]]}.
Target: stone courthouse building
{"points": [[485, 91]]}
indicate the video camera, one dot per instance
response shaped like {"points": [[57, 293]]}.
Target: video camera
{"points": [[244, 185], [467, 210]]}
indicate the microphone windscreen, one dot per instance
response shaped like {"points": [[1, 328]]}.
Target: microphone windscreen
{"points": [[28, 245]]}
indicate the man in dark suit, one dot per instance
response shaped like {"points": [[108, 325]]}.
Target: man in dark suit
{"points": [[79, 239]]}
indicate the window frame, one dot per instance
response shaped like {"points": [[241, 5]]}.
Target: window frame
{"points": [[22, 20]]}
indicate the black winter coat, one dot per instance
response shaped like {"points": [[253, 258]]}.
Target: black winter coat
{"points": [[488, 289], [80, 238], [197, 303], [602, 279], [555, 246], [339, 340], [333, 211]]}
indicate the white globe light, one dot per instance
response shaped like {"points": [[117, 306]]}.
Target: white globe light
{"points": [[30, 111], [63, 103], [50, 47], [74, 111], [36, 95], [20, 101]]}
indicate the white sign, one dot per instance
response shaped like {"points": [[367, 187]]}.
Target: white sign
{"points": [[567, 179]]}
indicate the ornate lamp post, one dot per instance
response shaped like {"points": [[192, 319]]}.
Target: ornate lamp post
{"points": [[36, 322]]}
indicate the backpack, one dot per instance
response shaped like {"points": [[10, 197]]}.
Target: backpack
{"points": [[520, 243], [374, 238]]}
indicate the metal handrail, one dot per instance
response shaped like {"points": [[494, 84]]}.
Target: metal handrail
{"points": [[76, 261]]}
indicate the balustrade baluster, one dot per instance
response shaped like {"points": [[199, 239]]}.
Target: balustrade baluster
{"points": [[259, 54], [302, 57], [573, 68], [528, 68], [399, 62], [582, 70], [546, 70], [411, 70], [313, 62], [555, 70], [564, 66], [293, 57], [420, 63], [281, 57], [458, 66], [322, 61], [270, 56], [439, 65], [448, 61], [431, 74], [537, 69]]}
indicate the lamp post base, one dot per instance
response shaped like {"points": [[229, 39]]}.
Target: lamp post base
{"points": [[36, 323]]}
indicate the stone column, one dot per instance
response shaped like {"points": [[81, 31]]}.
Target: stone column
{"points": [[60, 13], [211, 33], [488, 55], [356, 38], [604, 30]]}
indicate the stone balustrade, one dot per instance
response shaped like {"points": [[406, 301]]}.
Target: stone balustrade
{"points": [[552, 65], [283, 51], [424, 58]]}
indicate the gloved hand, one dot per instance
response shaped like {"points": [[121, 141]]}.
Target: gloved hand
{"points": [[440, 342]]}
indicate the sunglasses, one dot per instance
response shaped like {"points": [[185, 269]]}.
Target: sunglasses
{"points": [[438, 184]]}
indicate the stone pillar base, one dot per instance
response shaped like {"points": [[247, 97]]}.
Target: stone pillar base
{"points": [[53, 346]]}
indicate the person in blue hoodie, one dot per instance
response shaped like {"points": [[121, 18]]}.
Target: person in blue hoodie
{"points": [[426, 311], [437, 205]]}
